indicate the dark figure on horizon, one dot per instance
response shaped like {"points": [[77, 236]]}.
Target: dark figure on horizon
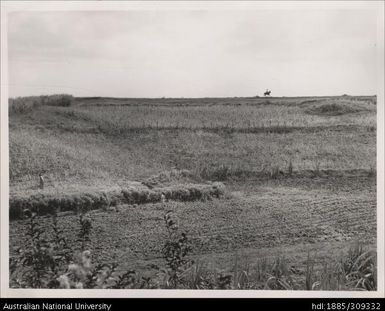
{"points": [[267, 93]]}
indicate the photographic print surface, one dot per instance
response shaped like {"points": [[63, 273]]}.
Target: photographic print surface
{"points": [[198, 149]]}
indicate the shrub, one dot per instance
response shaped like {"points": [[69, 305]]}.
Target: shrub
{"points": [[175, 252], [331, 109], [26, 104], [372, 172], [62, 100], [39, 265]]}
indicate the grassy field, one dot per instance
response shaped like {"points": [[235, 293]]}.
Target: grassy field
{"points": [[113, 142], [299, 173]]}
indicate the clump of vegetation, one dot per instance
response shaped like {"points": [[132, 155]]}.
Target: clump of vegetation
{"points": [[356, 270], [331, 109], [39, 265], [61, 100], [372, 172], [25, 104], [175, 252]]}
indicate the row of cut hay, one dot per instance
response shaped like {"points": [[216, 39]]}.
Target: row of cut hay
{"points": [[189, 192], [44, 204], [168, 177], [226, 130], [29, 103], [227, 172]]}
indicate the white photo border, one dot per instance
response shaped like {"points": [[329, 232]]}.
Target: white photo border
{"points": [[12, 6]]}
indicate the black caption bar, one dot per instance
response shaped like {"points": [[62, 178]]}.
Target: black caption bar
{"points": [[129, 303]]}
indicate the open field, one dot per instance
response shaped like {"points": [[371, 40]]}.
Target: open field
{"points": [[86, 142], [299, 174]]}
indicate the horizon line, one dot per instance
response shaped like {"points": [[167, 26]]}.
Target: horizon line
{"points": [[183, 97]]}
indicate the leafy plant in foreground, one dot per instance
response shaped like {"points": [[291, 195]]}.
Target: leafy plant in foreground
{"points": [[175, 252], [41, 263]]}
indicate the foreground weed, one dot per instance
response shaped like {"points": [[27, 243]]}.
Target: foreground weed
{"points": [[175, 252]]}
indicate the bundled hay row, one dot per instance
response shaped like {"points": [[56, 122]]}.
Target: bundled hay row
{"points": [[223, 172], [167, 177], [82, 202]]}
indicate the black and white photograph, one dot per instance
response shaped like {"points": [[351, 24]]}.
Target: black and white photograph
{"points": [[221, 148]]}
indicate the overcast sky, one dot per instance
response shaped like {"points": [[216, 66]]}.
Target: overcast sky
{"points": [[192, 53]]}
